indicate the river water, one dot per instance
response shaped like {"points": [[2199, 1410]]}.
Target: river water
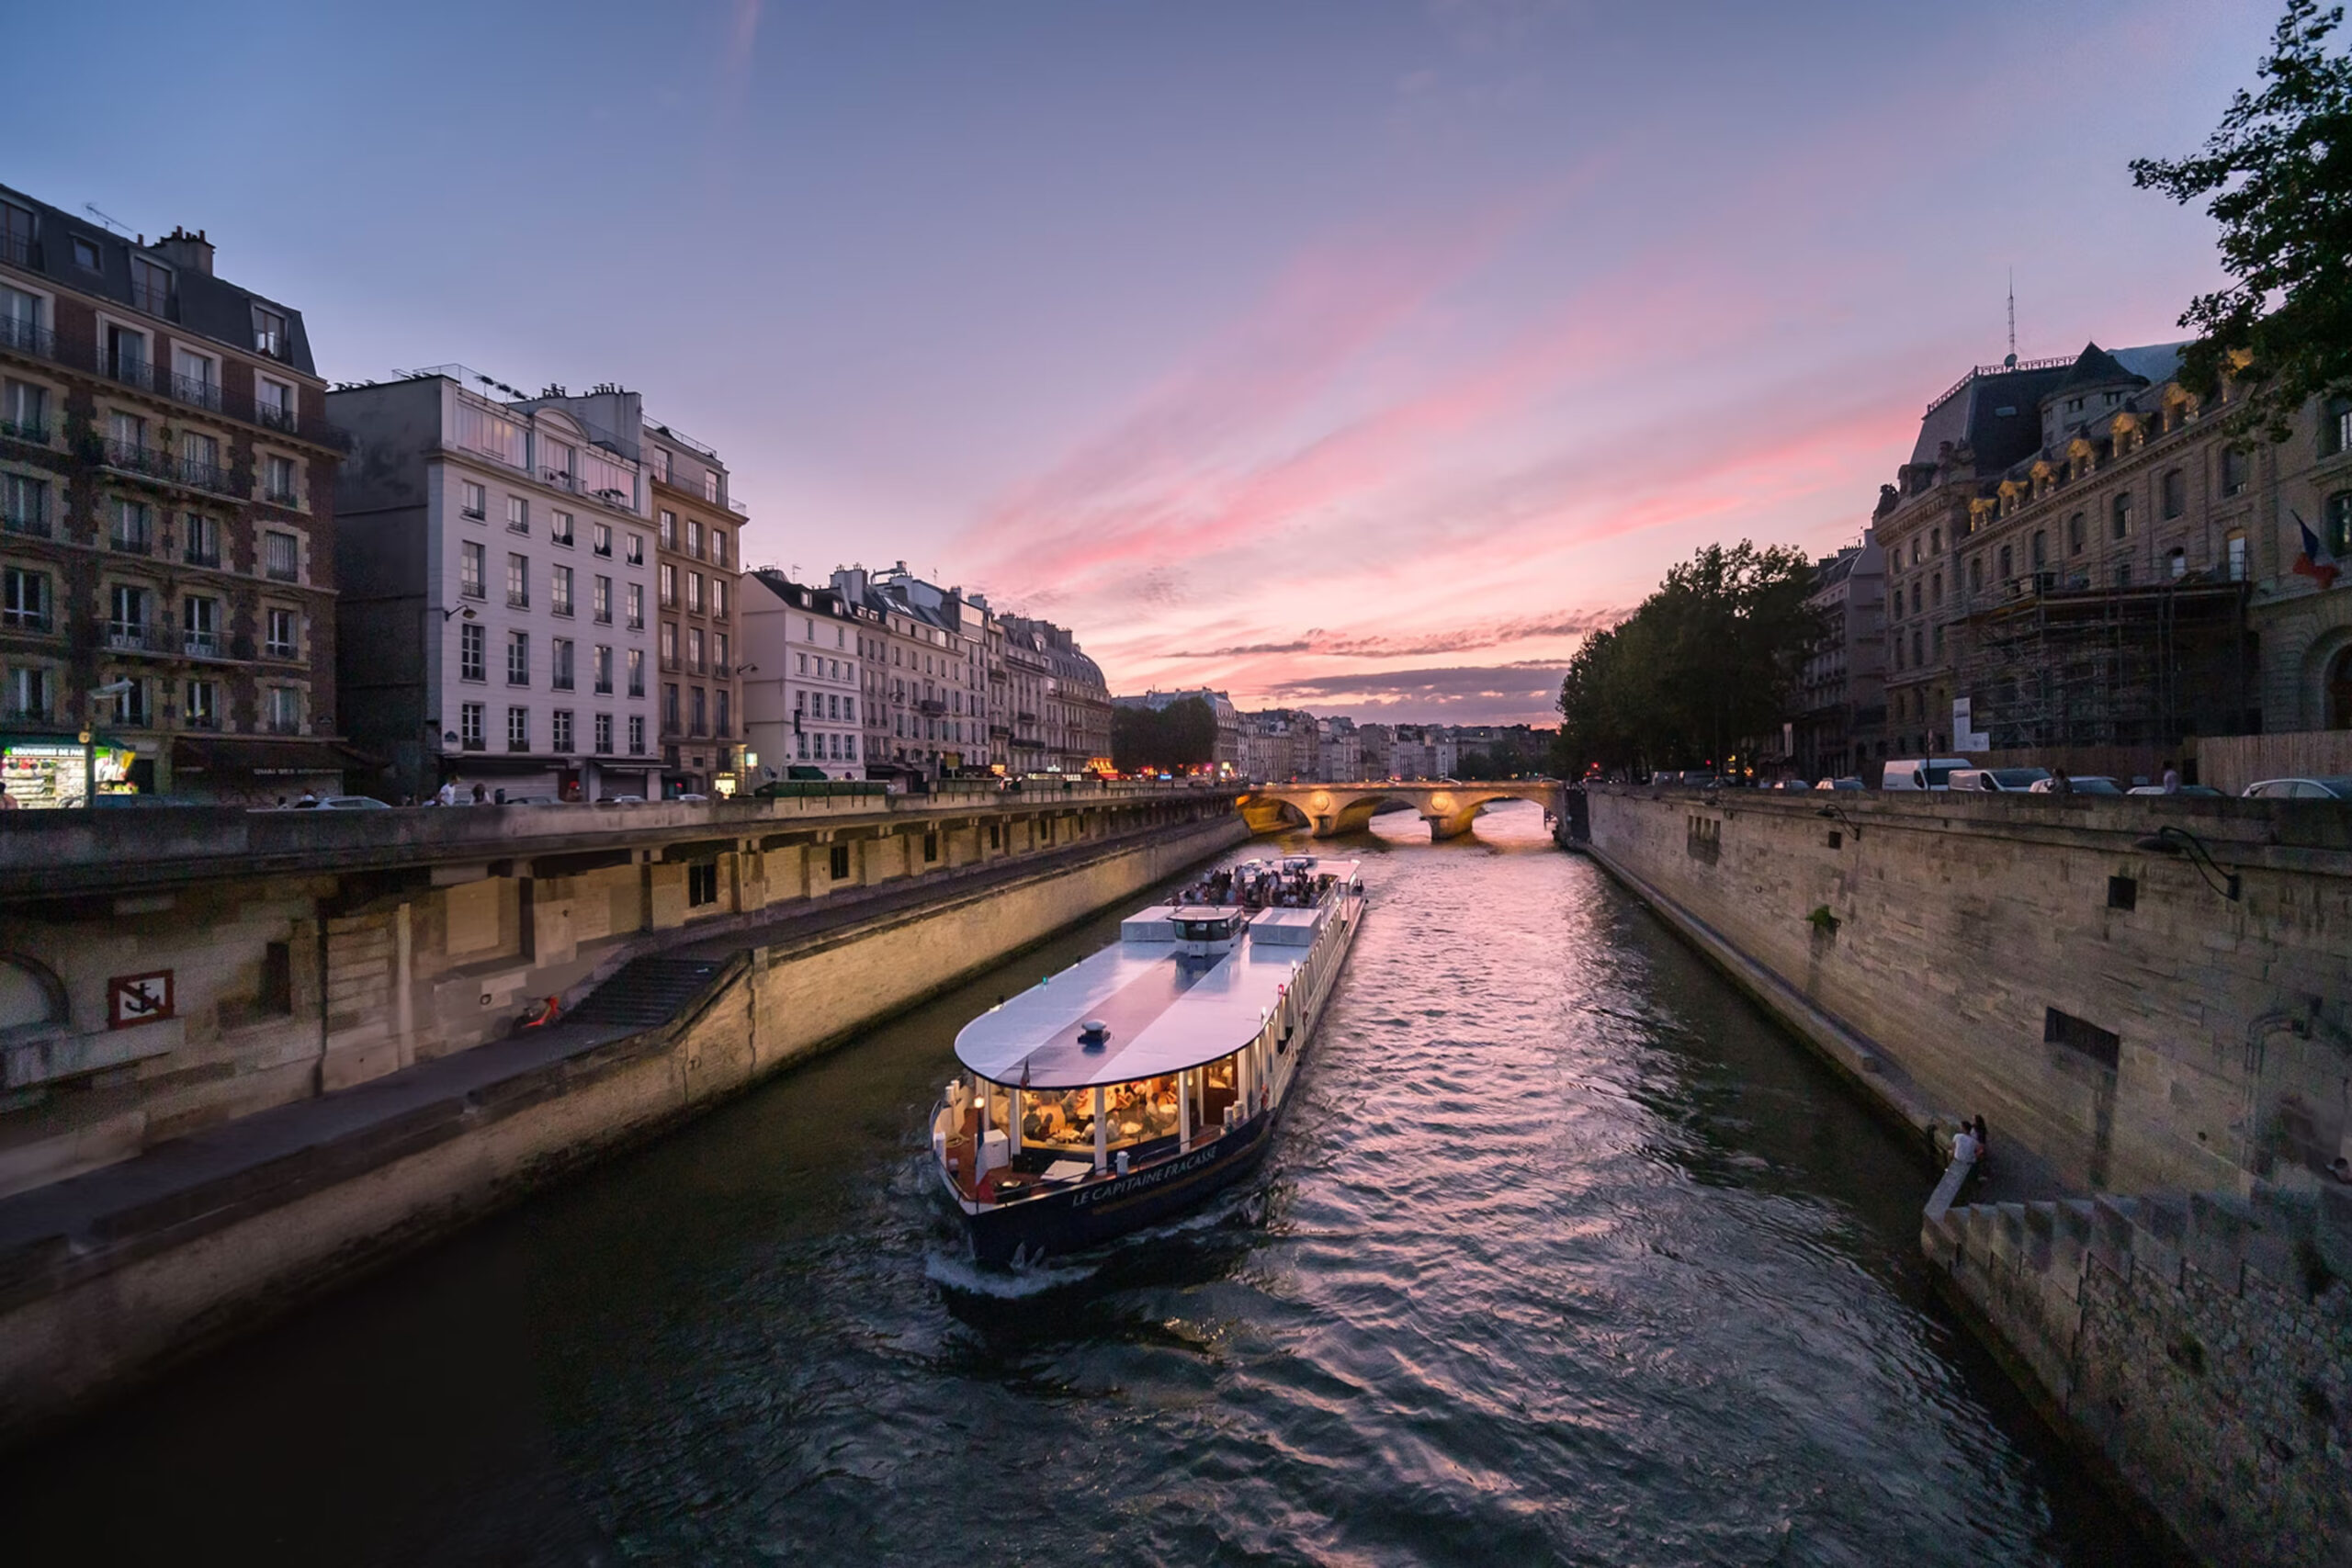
{"points": [[1564, 1254]]}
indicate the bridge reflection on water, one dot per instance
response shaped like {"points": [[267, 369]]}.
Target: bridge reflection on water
{"points": [[1327, 810]]}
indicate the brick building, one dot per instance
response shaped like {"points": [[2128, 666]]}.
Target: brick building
{"points": [[166, 522]]}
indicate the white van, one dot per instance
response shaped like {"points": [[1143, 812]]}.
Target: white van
{"points": [[2000, 781], [1922, 773]]}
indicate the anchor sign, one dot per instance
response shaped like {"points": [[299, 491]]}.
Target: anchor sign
{"points": [[139, 999]]}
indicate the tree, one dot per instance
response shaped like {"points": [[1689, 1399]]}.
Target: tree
{"points": [[1701, 668], [2279, 169]]}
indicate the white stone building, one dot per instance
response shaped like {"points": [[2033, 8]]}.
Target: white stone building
{"points": [[804, 677], [501, 556]]}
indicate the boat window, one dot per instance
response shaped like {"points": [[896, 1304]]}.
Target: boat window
{"points": [[1057, 1118], [1142, 1111], [1217, 1091]]}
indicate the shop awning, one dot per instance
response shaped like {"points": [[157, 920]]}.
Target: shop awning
{"points": [[266, 758]]}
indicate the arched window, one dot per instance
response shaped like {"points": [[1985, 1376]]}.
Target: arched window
{"points": [[2122, 516]]}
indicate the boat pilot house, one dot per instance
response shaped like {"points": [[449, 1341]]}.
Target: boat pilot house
{"points": [[1150, 1074]]}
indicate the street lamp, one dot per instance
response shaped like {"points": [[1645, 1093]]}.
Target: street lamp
{"points": [[2171, 840], [1833, 812]]}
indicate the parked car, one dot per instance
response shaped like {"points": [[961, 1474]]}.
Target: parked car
{"points": [[1922, 773], [1841, 783], [1786, 783], [2334, 787], [620, 800], [2085, 783], [692, 799], [2177, 789], [340, 803], [539, 800], [1998, 781]]}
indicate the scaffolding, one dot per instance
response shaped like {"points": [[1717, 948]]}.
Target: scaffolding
{"points": [[2049, 667]]}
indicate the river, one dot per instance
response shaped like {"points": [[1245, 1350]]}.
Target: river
{"points": [[1564, 1254]]}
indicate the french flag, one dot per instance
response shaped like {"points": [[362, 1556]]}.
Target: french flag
{"points": [[2314, 562]]}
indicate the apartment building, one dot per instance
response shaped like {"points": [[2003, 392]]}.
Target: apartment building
{"points": [[925, 670], [167, 523], [2083, 549], [497, 564], [1840, 723], [698, 541], [1074, 713], [804, 677]]}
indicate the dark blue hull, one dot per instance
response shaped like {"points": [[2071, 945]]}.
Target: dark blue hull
{"points": [[1075, 1218]]}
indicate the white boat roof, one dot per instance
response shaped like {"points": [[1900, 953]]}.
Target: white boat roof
{"points": [[1165, 1014]]}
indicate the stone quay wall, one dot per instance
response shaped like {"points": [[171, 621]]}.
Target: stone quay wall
{"points": [[281, 955], [112, 1276], [2062, 966], [2201, 1347]]}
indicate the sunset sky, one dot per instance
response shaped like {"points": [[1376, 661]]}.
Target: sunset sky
{"points": [[1352, 356]]}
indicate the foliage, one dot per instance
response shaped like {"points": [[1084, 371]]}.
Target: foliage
{"points": [[1181, 735], [1506, 756], [1705, 665], [2279, 171]]}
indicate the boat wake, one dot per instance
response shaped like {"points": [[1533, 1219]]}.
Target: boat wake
{"points": [[953, 1271]]}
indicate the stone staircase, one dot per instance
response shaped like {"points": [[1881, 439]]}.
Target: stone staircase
{"points": [[645, 993]]}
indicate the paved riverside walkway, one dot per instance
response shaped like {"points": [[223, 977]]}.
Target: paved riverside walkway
{"points": [[52, 1236]]}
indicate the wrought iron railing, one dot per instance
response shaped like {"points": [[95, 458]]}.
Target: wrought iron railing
{"points": [[190, 389], [36, 434], [140, 637], [197, 644], [28, 338]]}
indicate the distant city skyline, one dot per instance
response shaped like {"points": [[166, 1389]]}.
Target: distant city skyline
{"points": [[1358, 358]]}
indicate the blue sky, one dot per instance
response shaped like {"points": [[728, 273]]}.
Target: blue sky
{"points": [[1352, 355]]}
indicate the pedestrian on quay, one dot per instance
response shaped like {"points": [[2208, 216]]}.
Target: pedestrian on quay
{"points": [[482, 795], [2172, 778], [1983, 1140], [447, 794], [2058, 783], [1963, 1146]]}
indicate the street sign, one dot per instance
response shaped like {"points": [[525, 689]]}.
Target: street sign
{"points": [[134, 999]]}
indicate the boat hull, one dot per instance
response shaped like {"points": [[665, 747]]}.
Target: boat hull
{"points": [[1092, 1213]]}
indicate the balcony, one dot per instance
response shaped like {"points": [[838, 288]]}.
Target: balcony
{"points": [[140, 637], [150, 463], [201, 644], [278, 572], [131, 539], [720, 668], [190, 389], [36, 434], [288, 497], [473, 514], [471, 590], [273, 417], [31, 521], [604, 688], [518, 598], [282, 724], [24, 620], [24, 337], [136, 373], [200, 555], [473, 743], [604, 549]]}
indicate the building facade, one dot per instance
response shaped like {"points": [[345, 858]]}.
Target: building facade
{"points": [[497, 569], [929, 695], [1075, 716], [167, 525], [2084, 550], [1841, 725], [804, 678], [698, 552]]}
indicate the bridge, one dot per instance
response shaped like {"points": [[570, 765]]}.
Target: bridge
{"points": [[1327, 809]]}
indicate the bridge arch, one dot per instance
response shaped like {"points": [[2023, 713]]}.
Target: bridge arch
{"points": [[1327, 810]]}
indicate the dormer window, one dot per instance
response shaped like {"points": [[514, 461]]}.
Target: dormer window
{"points": [[270, 332], [151, 287], [86, 254]]}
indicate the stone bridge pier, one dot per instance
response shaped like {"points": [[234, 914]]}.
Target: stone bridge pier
{"points": [[1328, 811]]}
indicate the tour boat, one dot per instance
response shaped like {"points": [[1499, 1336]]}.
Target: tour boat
{"points": [[1140, 1080]]}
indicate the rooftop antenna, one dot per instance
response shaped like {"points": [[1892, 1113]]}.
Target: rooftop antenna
{"points": [[112, 227], [2011, 362]]}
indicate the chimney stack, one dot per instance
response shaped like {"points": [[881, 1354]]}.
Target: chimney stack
{"points": [[190, 252]]}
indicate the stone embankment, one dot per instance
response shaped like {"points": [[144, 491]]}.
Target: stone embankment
{"points": [[2145, 996], [112, 1275], [2200, 1347]]}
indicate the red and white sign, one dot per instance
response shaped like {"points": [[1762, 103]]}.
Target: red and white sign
{"points": [[134, 999]]}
